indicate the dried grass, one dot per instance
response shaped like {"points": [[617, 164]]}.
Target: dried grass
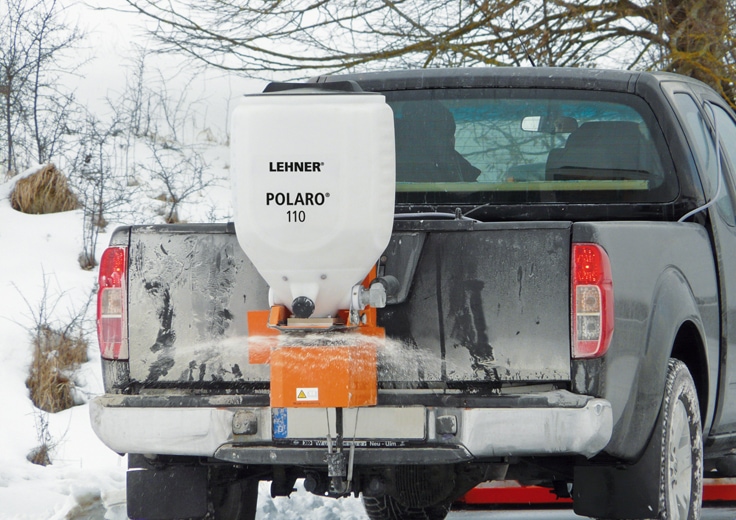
{"points": [[46, 191], [55, 357], [40, 455], [173, 218], [87, 261]]}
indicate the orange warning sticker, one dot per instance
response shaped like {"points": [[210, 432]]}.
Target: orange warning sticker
{"points": [[307, 394]]}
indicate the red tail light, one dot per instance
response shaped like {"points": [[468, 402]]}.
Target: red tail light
{"points": [[112, 330], [592, 301]]}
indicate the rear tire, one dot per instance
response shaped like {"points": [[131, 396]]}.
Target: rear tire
{"points": [[681, 453], [666, 483], [386, 507]]}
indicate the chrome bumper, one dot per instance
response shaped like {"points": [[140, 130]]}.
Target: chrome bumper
{"points": [[567, 424]]}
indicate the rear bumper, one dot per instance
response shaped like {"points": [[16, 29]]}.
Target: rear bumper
{"points": [[237, 430]]}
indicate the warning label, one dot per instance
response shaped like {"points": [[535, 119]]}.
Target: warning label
{"points": [[307, 394]]}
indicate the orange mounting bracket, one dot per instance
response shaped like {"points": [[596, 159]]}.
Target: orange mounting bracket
{"points": [[306, 372]]}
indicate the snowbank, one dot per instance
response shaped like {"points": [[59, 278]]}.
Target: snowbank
{"points": [[86, 480]]}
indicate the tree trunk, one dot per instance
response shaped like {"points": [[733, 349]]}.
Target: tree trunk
{"points": [[698, 36]]}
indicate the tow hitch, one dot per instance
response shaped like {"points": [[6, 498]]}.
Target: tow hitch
{"points": [[339, 469]]}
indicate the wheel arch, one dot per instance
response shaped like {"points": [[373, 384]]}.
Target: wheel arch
{"points": [[675, 328], [689, 347]]}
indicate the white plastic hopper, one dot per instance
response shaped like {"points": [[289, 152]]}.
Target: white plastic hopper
{"points": [[313, 177]]}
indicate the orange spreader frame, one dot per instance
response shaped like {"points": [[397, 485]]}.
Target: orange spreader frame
{"points": [[317, 376], [325, 377]]}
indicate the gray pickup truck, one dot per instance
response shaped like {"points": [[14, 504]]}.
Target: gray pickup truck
{"points": [[558, 305]]}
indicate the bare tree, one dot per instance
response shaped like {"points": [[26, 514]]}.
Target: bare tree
{"points": [[180, 174], [16, 69], [693, 37], [33, 38], [298, 35], [136, 99], [50, 105], [100, 186]]}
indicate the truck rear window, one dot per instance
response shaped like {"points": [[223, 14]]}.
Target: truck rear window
{"points": [[470, 146]]}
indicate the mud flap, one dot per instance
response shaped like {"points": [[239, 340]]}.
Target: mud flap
{"points": [[174, 491], [630, 491]]}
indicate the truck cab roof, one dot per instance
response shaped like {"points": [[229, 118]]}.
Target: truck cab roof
{"points": [[516, 77]]}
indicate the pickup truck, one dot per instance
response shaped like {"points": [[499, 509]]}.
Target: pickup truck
{"points": [[556, 301]]}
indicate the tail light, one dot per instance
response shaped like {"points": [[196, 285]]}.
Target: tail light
{"points": [[112, 330], [592, 301]]}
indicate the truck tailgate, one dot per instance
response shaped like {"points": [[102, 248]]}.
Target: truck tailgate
{"points": [[478, 302], [191, 288]]}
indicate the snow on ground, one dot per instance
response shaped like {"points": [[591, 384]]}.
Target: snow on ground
{"points": [[86, 480], [38, 251]]}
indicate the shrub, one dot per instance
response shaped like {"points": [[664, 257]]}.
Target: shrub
{"points": [[46, 191], [56, 355], [41, 454], [59, 348]]}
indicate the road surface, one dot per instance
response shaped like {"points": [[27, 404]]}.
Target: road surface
{"points": [[709, 513]]}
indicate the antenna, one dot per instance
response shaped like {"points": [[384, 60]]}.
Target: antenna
{"points": [[523, 45], [528, 56]]}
